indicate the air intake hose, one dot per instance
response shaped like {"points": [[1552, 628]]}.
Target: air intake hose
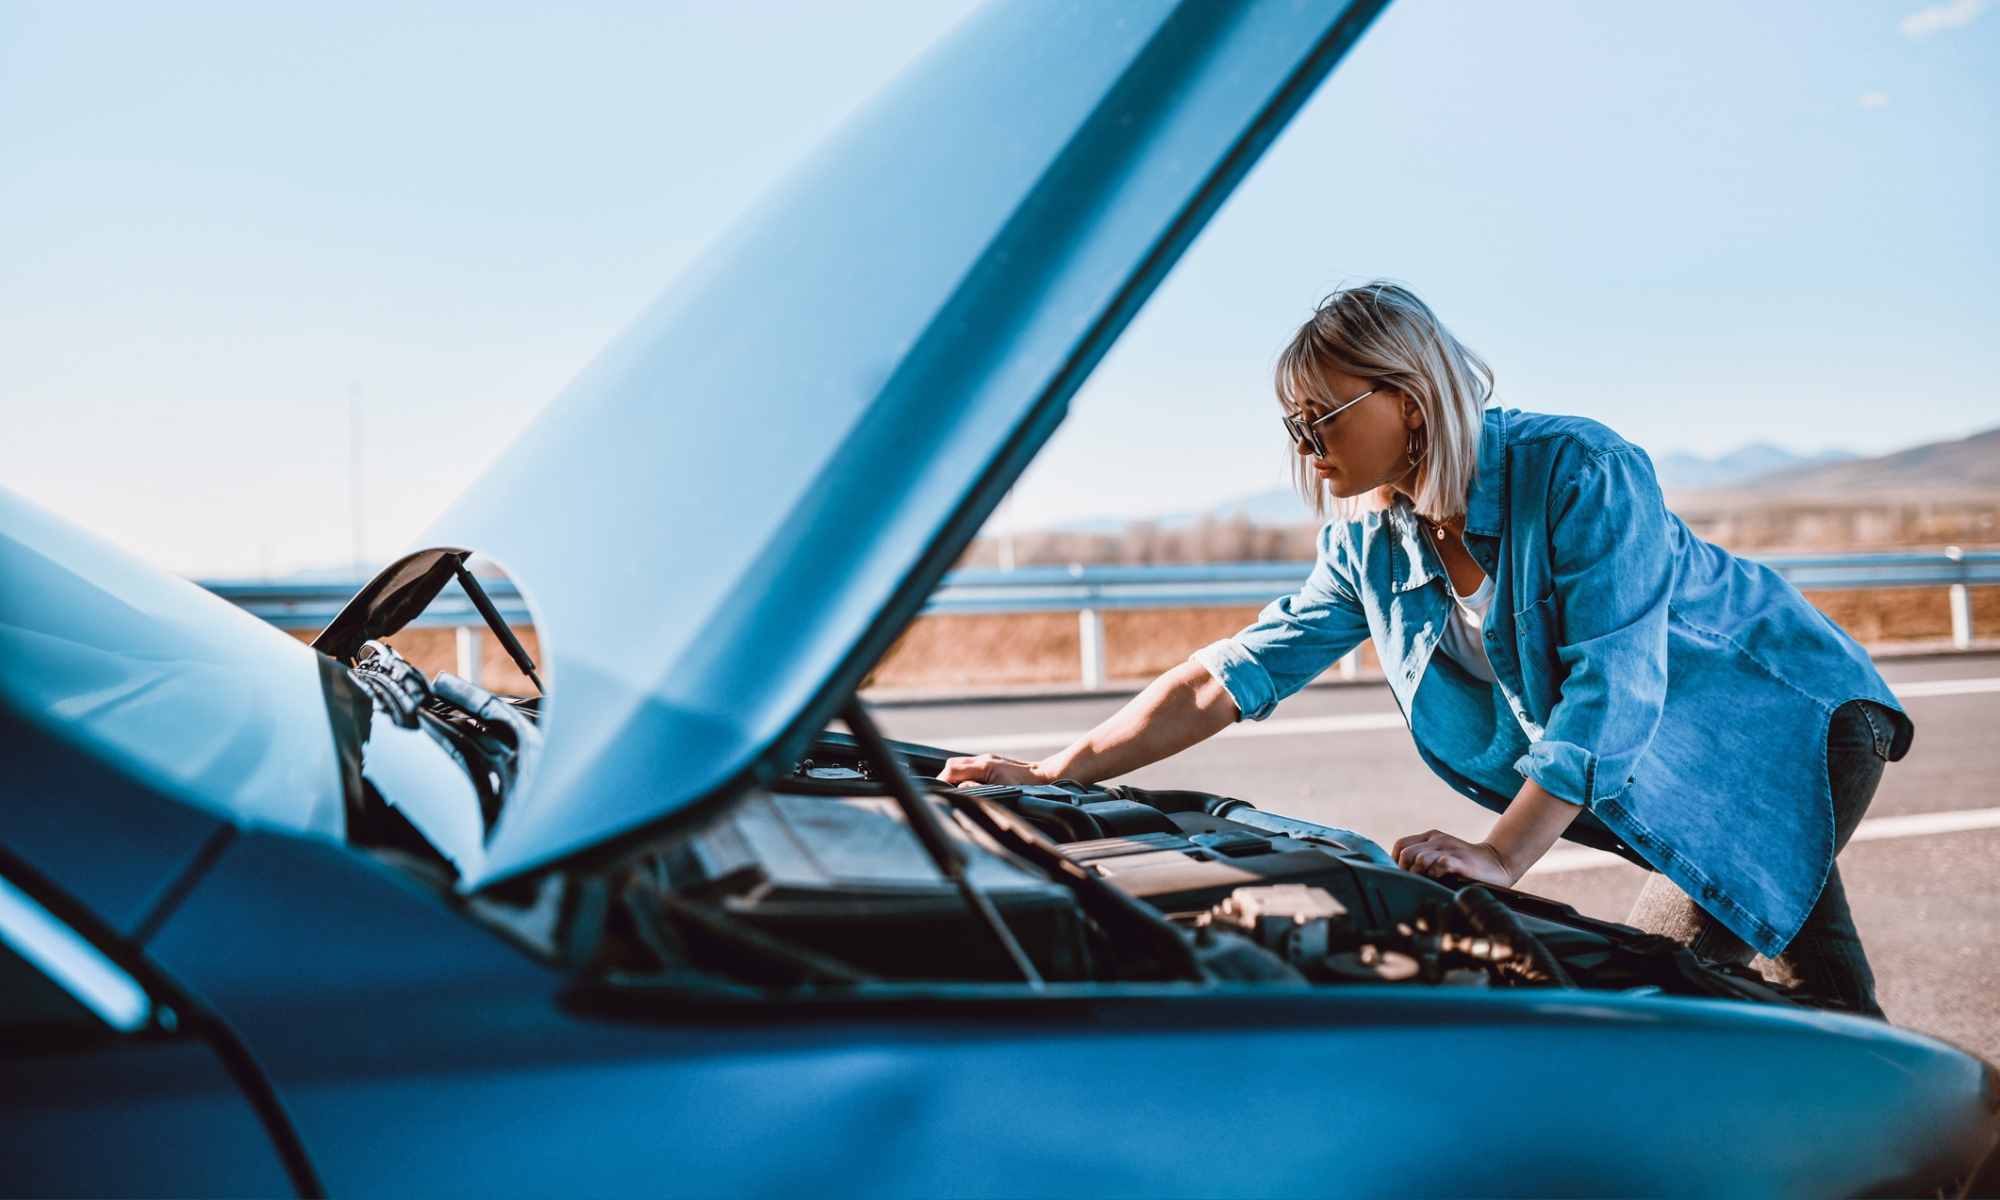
{"points": [[1529, 963]]}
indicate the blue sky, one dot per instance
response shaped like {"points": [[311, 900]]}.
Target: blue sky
{"points": [[1703, 223]]}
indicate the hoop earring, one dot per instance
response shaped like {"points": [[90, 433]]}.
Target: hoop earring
{"points": [[1410, 448]]}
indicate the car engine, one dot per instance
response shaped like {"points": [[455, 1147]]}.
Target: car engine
{"points": [[861, 870], [819, 880]]}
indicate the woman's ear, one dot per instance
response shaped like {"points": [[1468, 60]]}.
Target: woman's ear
{"points": [[1413, 415]]}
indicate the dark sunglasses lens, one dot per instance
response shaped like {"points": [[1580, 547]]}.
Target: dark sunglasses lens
{"points": [[1301, 434], [1304, 436]]}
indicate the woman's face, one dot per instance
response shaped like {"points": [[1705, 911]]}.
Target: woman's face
{"points": [[1367, 444]]}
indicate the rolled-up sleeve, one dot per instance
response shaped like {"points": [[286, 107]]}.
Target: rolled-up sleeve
{"points": [[1613, 572], [1293, 640]]}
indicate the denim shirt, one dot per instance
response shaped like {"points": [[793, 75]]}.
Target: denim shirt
{"points": [[1679, 694]]}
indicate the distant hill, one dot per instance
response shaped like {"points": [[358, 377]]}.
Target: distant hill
{"points": [[1737, 467], [1278, 507], [1759, 498], [1281, 507], [1945, 493], [1963, 470]]}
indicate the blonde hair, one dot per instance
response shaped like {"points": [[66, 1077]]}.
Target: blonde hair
{"points": [[1381, 332]]}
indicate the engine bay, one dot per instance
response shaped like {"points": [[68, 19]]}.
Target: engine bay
{"points": [[861, 871], [819, 879]]}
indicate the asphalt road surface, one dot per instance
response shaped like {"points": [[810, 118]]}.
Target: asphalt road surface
{"points": [[1923, 874]]}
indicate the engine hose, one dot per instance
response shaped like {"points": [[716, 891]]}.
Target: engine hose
{"points": [[1117, 912], [489, 708], [1178, 801], [1075, 824], [1530, 964]]}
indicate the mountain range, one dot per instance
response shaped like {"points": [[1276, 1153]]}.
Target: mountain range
{"points": [[1683, 471], [1961, 470], [1966, 468]]}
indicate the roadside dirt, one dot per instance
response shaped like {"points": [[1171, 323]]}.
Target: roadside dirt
{"points": [[1016, 648]]}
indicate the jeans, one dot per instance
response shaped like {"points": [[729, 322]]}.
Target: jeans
{"points": [[1825, 958]]}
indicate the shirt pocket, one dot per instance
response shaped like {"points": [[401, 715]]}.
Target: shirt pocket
{"points": [[1538, 634]]}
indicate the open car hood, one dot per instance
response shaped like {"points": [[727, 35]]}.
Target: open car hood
{"points": [[728, 517]]}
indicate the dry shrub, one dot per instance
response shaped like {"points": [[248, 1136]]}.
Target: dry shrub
{"points": [[998, 648], [435, 649], [1141, 643], [1905, 614], [1031, 648], [1015, 648]]}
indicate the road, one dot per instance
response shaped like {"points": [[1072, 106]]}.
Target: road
{"points": [[1923, 876]]}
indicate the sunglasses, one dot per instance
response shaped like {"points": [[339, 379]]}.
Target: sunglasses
{"points": [[1305, 434]]}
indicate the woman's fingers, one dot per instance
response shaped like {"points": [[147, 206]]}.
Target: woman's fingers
{"points": [[1435, 853], [1413, 852], [967, 770], [987, 768], [1415, 841]]}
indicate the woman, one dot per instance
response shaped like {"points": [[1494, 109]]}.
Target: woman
{"points": [[1565, 650]]}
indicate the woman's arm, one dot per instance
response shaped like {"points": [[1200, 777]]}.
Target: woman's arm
{"points": [[1524, 833], [1178, 709]]}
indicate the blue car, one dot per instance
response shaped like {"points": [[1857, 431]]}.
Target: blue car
{"points": [[282, 918]]}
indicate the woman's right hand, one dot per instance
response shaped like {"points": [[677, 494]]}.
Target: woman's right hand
{"points": [[991, 768]]}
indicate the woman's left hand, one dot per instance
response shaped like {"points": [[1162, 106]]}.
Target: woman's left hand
{"points": [[1437, 852]]}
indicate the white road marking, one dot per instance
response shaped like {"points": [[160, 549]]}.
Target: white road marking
{"points": [[1917, 824], [1945, 687], [1283, 726], [1360, 722], [1275, 727], [1575, 858], [1874, 829]]}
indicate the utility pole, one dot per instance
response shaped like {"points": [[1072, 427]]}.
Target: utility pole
{"points": [[357, 527]]}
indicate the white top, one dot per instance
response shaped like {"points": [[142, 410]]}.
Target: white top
{"points": [[1464, 631]]}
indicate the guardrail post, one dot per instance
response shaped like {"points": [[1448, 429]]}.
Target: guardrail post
{"points": [[1090, 645], [1961, 606], [1961, 617], [471, 653]]}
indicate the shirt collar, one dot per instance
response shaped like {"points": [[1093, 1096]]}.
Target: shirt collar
{"points": [[1409, 563], [1484, 508], [1412, 561]]}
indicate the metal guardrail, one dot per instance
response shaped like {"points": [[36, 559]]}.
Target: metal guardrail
{"points": [[1219, 585], [1070, 589], [314, 605], [1073, 589], [1841, 572], [1090, 591]]}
